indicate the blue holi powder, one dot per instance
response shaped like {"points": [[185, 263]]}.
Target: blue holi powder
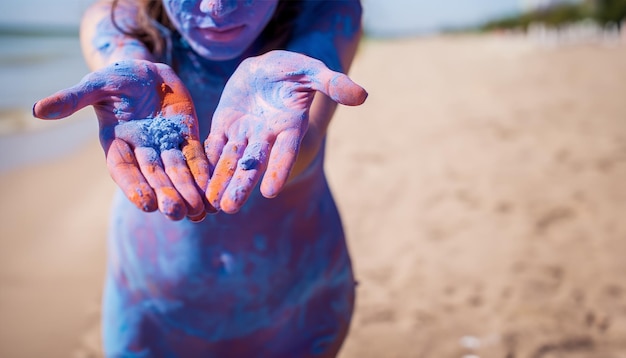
{"points": [[159, 133], [310, 72], [239, 192], [162, 133], [254, 156], [104, 47], [248, 163]]}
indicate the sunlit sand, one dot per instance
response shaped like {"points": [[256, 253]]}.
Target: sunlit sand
{"points": [[482, 192]]}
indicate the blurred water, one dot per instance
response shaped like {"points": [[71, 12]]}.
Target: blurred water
{"points": [[31, 68]]}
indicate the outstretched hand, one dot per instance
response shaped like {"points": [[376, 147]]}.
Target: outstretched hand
{"points": [[261, 119], [149, 133]]}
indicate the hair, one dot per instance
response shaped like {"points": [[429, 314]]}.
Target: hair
{"points": [[275, 35]]}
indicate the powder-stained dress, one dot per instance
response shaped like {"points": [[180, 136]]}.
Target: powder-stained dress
{"points": [[273, 280]]}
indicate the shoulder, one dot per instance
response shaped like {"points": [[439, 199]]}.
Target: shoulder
{"points": [[326, 15], [328, 31]]}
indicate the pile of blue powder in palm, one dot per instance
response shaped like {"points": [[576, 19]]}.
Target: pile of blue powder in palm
{"points": [[161, 133]]}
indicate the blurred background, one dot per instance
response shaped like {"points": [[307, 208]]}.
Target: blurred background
{"points": [[493, 140]]}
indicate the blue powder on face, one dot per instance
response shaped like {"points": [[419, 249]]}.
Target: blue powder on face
{"points": [[162, 133]]}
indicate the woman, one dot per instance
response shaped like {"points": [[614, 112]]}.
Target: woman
{"points": [[268, 274]]}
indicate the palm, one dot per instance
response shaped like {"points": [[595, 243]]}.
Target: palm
{"points": [[148, 130], [261, 119]]}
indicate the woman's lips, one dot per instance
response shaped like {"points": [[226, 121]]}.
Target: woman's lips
{"points": [[225, 34]]}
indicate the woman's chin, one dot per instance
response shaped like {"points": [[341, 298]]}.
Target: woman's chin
{"points": [[219, 52]]}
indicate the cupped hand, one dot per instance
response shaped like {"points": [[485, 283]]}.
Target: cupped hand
{"points": [[149, 133], [261, 119]]}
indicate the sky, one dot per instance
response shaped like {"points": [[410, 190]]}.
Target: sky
{"points": [[42, 12], [381, 17], [396, 17]]}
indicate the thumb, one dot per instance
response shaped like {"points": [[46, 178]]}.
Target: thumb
{"points": [[65, 102], [343, 90], [336, 85], [58, 105]]}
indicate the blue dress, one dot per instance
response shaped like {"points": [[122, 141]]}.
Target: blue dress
{"points": [[274, 280]]}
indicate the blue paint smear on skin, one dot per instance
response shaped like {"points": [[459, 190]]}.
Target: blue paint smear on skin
{"points": [[102, 42]]}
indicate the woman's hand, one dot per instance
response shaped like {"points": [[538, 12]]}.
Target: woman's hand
{"points": [[149, 133], [261, 120]]}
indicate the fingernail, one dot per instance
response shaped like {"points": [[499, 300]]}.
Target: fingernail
{"points": [[198, 218]]}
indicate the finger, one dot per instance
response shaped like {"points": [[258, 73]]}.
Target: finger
{"points": [[213, 147], [65, 102], [169, 201], [125, 172], [199, 166], [249, 170], [224, 171], [180, 176], [198, 218], [282, 158], [339, 87]]}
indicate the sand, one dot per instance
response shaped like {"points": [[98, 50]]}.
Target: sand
{"points": [[482, 190]]}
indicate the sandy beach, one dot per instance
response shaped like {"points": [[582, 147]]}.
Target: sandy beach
{"points": [[482, 192]]}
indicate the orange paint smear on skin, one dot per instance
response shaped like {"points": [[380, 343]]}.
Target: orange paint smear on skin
{"points": [[124, 160], [151, 169], [194, 155], [175, 174], [176, 100], [120, 41], [124, 156], [171, 201], [169, 193], [140, 198], [174, 96], [218, 180], [276, 182]]}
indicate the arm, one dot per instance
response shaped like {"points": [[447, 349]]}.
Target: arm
{"points": [[330, 32], [102, 43], [148, 124], [269, 121]]}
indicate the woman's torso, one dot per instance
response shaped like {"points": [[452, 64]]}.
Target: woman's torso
{"points": [[237, 272]]}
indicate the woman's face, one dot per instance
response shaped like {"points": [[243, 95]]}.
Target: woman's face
{"points": [[220, 29]]}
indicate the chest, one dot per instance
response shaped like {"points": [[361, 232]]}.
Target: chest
{"points": [[205, 82]]}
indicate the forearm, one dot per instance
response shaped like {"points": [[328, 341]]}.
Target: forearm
{"points": [[102, 43], [336, 49]]}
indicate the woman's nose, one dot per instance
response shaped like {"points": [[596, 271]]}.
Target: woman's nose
{"points": [[218, 8]]}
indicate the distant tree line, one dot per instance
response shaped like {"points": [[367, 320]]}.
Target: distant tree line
{"points": [[602, 11]]}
